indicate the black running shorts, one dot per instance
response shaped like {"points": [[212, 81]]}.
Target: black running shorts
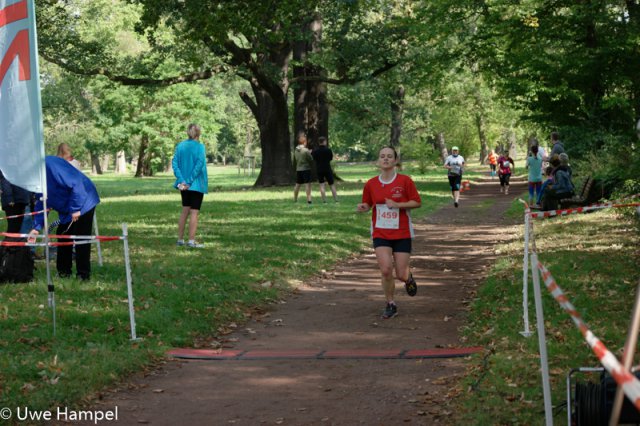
{"points": [[397, 246], [192, 199]]}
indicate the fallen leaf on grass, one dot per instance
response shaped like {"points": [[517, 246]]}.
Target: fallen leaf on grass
{"points": [[27, 387]]}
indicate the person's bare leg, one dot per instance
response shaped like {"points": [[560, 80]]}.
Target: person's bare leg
{"points": [[308, 191], [402, 265], [323, 193], [296, 190], [384, 256], [182, 221], [456, 196], [193, 224], [334, 192]]}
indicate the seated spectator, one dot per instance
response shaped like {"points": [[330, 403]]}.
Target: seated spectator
{"points": [[548, 172], [562, 186]]}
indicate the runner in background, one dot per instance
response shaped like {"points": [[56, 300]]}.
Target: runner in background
{"points": [[454, 164], [505, 166], [391, 196], [493, 162]]}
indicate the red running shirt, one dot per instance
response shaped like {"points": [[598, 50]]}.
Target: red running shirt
{"points": [[386, 223]]}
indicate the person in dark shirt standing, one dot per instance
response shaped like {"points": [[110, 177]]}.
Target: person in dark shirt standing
{"points": [[323, 156], [14, 202]]}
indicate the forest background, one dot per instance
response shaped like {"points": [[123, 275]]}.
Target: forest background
{"points": [[122, 79]]}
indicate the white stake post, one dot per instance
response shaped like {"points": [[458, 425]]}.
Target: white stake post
{"points": [[97, 232], [525, 273], [542, 342], [127, 266], [629, 351]]}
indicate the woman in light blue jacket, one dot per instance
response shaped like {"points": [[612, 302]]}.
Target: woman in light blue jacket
{"points": [[190, 168]]}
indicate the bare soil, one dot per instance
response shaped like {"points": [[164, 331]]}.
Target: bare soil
{"points": [[340, 310]]}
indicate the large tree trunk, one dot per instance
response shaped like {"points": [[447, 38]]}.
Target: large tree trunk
{"points": [[272, 114], [513, 147], [441, 147], [481, 125], [311, 114], [144, 144], [121, 163], [96, 167], [397, 108]]}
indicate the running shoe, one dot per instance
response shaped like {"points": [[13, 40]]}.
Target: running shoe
{"points": [[390, 311], [455, 203], [411, 286], [180, 243], [195, 245]]}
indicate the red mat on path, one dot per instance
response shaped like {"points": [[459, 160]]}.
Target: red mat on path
{"points": [[240, 355]]}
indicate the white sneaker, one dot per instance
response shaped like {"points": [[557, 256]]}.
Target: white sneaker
{"points": [[180, 243], [195, 245]]}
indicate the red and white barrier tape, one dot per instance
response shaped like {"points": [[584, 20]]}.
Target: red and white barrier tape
{"points": [[24, 215], [51, 244], [69, 237], [629, 383], [591, 207]]}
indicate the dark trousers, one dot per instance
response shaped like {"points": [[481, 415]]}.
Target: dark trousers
{"points": [[64, 259], [14, 225]]}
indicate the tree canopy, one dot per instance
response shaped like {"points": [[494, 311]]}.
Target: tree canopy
{"points": [[402, 72]]}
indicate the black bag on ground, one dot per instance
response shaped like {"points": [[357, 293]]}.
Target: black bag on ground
{"points": [[16, 265]]}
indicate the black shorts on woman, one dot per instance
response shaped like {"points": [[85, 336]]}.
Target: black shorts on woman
{"points": [[192, 199], [402, 245]]}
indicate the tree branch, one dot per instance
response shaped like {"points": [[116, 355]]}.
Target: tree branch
{"points": [[135, 81], [346, 80], [250, 103]]}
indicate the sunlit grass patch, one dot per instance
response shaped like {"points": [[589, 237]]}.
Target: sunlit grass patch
{"points": [[594, 259]]}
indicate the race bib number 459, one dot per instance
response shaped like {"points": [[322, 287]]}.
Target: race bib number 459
{"points": [[386, 217]]}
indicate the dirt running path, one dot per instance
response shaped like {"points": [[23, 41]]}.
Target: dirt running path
{"points": [[452, 253]]}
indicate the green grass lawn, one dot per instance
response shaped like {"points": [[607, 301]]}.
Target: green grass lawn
{"points": [[182, 297], [594, 258]]}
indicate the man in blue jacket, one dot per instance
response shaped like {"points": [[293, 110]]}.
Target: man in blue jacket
{"points": [[74, 197]]}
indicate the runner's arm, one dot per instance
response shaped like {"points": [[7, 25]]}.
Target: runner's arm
{"points": [[411, 204], [363, 207]]}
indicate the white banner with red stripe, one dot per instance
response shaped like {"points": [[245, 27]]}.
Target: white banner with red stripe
{"points": [[21, 129]]}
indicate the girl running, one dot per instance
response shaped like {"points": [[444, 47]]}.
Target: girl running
{"points": [[391, 195], [505, 165], [493, 162]]}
